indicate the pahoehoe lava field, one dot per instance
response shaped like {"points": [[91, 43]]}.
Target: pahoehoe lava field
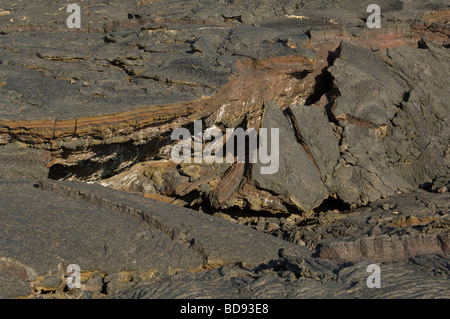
{"points": [[361, 154]]}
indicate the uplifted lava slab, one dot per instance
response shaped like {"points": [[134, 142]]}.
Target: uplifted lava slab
{"points": [[115, 234]]}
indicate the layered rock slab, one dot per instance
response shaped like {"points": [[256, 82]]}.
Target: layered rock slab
{"points": [[120, 87], [362, 135]]}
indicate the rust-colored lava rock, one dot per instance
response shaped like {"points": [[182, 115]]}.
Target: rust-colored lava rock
{"points": [[362, 172]]}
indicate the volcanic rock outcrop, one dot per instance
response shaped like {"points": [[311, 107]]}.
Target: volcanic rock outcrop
{"points": [[363, 121]]}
